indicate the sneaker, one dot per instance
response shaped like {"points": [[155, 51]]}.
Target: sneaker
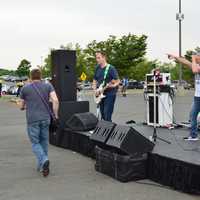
{"points": [[191, 138], [45, 168]]}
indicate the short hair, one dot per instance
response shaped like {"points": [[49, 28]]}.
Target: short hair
{"points": [[102, 53], [36, 74]]}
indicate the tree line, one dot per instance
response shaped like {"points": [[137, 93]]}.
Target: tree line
{"points": [[126, 53]]}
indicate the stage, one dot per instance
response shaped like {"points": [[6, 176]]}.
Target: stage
{"points": [[176, 165], [179, 149]]}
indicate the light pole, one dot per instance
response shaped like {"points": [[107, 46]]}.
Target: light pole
{"points": [[180, 18], [41, 60]]}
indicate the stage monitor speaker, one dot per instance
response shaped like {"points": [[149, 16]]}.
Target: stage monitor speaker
{"points": [[63, 74], [102, 131], [82, 122], [69, 108], [129, 140]]}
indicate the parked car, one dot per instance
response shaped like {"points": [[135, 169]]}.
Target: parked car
{"points": [[4, 77], [5, 89], [135, 85], [87, 86], [12, 90], [185, 84], [11, 78]]}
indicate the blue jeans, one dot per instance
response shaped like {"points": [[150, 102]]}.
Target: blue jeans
{"points": [[38, 133], [194, 113], [107, 107]]}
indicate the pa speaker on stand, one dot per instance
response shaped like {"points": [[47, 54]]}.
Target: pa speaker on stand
{"points": [[64, 75]]}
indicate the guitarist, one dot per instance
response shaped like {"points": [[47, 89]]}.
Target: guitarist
{"points": [[106, 75]]}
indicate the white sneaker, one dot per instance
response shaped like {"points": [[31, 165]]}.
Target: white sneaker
{"points": [[191, 138]]}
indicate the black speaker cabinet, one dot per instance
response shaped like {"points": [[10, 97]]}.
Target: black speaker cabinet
{"points": [[69, 108], [66, 110], [129, 140], [102, 131], [82, 122], [124, 168], [63, 74]]}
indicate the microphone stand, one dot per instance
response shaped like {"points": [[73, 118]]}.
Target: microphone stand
{"points": [[155, 135]]}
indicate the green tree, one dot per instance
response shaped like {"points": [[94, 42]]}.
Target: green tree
{"points": [[141, 69], [23, 68], [187, 72], [46, 68], [124, 53], [189, 53], [7, 72]]}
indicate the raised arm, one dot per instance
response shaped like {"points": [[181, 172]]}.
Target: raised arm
{"points": [[195, 64], [181, 60]]}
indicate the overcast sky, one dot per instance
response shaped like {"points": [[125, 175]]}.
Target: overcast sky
{"points": [[29, 28]]}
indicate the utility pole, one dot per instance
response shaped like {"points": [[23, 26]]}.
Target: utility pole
{"points": [[180, 18]]}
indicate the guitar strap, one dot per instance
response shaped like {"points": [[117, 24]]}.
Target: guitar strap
{"points": [[44, 100], [105, 74]]}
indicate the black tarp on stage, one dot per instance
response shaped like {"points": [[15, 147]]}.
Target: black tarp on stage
{"points": [[177, 164]]}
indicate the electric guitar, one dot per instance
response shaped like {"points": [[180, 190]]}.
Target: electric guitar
{"points": [[99, 94]]}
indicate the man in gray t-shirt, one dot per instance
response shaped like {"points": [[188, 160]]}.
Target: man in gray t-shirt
{"points": [[38, 116], [35, 108]]}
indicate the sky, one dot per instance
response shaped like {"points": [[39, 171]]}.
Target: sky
{"points": [[30, 28]]}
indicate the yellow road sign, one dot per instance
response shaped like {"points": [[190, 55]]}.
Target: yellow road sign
{"points": [[83, 76]]}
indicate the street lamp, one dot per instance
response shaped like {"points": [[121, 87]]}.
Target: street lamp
{"points": [[180, 18]]}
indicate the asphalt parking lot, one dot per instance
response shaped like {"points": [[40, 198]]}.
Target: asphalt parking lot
{"points": [[73, 176]]}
